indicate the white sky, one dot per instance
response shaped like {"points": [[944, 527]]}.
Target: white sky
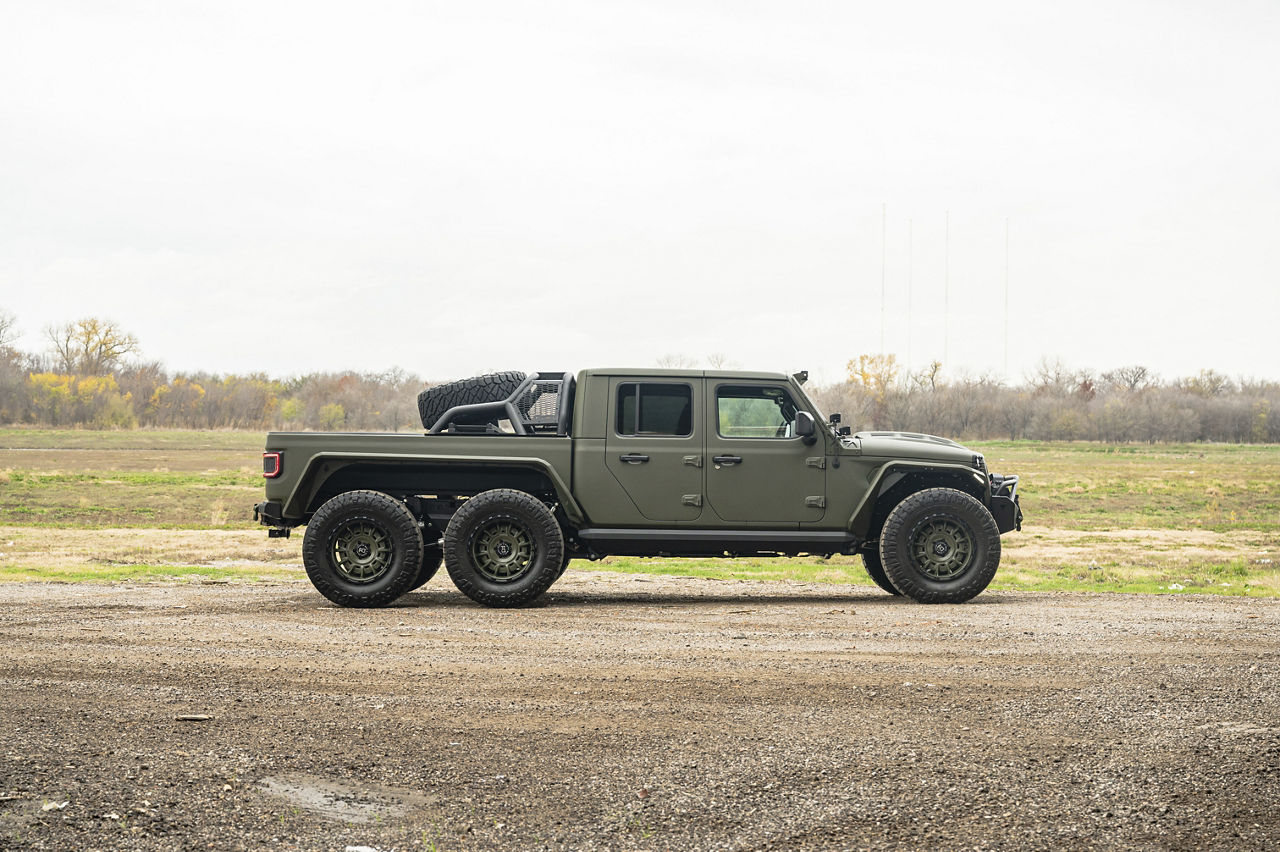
{"points": [[458, 187]]}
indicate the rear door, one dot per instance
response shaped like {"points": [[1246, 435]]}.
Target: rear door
{"points": [[654, 446], [758, 471]]}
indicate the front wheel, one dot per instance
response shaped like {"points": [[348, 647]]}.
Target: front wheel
{"points": [[940, 546], [503, 548], [362, 548]]}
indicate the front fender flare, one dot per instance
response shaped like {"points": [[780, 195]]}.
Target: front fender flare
{"points": [[888, 475]]}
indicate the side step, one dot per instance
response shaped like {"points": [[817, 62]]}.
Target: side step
{"points": [[682, 542]]}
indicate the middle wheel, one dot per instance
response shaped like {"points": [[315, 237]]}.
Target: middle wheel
{"points": [[503, 548]]}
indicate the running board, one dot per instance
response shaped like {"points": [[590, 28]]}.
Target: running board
{"points": [[650, 542]]}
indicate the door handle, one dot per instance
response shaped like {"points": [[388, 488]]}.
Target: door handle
{"points": [[634, 458], [727, 459]]}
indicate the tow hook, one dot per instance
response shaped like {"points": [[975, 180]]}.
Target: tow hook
{"points": [[278, 532]]}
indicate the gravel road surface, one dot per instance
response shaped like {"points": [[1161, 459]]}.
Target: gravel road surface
{"points": [[634, 712]]}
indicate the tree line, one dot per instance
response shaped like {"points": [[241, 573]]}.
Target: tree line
{"points": [[1056, 402], [89, 375]]}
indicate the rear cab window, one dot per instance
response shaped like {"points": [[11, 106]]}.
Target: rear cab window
{"points": [[655, 409]]}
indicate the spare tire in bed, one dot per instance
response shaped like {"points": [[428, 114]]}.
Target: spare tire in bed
{"points": [[492, 387]]}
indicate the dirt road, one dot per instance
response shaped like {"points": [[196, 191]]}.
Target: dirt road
{"points": [[634, 712]]}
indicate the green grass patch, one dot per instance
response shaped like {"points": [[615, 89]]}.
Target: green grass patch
{"points": [[132, 439], [145, 573], [202, 480], [1235, 577]]}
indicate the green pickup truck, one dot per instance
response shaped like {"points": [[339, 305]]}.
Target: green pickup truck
{"points": [[518, 473]]}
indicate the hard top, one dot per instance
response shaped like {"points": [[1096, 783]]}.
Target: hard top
{"points": [[662, 373]]}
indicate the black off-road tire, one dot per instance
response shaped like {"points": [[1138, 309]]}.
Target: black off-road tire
{"points": [[503, 548], [564, 565], [492, 387], [354, 527], [432, 558], [940, 546], [875, 570]]}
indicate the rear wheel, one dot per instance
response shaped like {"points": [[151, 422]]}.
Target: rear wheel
{"points": [[940, 546], [362, 549], [432, 557], [503, 548], [875, 569]]}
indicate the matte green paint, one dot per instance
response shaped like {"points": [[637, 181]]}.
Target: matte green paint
{"points": [[782, 483]]}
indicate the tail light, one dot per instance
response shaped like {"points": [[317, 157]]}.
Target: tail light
{"points": [[271, 463]]}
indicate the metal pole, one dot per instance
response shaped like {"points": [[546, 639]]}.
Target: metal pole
{"points": [[884, 214], [910, 269], [946, 293], [1006, 299]]}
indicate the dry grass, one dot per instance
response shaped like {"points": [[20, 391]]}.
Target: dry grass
{"points": [[117, 505]]}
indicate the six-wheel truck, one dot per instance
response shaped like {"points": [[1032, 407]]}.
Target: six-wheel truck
{"points": [[517, 474]]}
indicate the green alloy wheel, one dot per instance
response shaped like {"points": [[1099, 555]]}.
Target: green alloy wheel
{"points": [[363, 548], [940, 545], [503, 548], [502, 551]]}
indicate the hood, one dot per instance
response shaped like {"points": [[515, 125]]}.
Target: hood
{"points": [[912, 445]]}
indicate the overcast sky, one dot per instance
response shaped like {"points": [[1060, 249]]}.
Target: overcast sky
{"points": [[458, 187]]}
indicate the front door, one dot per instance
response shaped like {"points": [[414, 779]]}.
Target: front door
{"points": [[654, 446], [758, 471]]}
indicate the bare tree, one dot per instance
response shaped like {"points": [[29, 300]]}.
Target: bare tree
{"points": [[1207, 383], [8, 329], [1132, 378], [720, 361], [676, 361], [90, 346]]}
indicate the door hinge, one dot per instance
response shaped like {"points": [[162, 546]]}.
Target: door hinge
{"points": [[815, 502], [692, 499], [819, 462], [695, 461]]}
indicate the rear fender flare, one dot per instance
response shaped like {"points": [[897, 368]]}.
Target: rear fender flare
{"points": [[311, 480]]}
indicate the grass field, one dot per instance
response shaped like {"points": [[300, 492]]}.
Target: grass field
{"points": [[81, 505]]}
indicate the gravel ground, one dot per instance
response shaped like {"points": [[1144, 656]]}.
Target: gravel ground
{"points": [[632, 711]]}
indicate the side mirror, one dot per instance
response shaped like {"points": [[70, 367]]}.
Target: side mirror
{"points": [[806, 428]]}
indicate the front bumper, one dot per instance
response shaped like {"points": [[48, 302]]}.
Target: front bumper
{"points": [[1004, 503]]}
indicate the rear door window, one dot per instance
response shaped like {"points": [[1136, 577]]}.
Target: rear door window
{"points": [[648, 408]]}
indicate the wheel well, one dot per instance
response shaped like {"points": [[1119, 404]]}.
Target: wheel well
{"points": [[899, 485]]}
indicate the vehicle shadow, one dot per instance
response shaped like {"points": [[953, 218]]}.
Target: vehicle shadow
{"points": [[451, 599]]}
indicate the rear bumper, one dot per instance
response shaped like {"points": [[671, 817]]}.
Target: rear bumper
{"points": [[269, 513], [1004, 503]]}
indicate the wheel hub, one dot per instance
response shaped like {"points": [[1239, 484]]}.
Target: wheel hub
{"points": [[503, 551], [362, 552], [942, 548]]}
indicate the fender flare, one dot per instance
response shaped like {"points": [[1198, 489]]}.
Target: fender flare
{"points": [[302, 490], [889, 474]]}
